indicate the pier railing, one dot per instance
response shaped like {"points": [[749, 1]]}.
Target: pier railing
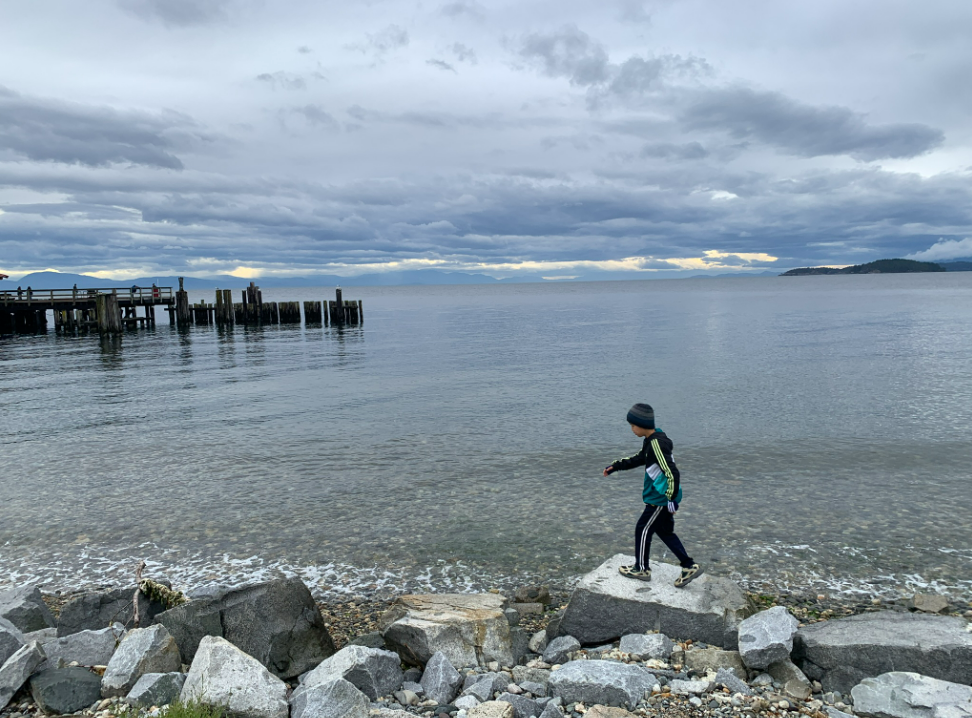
{"points": [[138, 295]]}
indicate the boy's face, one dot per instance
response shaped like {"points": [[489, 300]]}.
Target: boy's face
{"points": [[638, 431]]}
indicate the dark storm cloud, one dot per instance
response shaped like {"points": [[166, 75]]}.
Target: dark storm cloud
{"points": [[181, 13], [805, 130], [49, 130]]}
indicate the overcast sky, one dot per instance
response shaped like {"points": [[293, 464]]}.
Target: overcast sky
{"points": [[142, 137]]}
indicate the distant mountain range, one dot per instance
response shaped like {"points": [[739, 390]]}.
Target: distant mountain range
{"points": [[886, 266], [427, 277]]}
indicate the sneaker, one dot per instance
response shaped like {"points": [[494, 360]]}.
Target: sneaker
{"points": [[688, 575], [635, 572]]}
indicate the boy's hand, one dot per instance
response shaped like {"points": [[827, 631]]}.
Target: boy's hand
{"points": [[609, 470], [672, 508]]}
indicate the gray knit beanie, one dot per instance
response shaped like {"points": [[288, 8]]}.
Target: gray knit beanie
{"points": [[642, 415]]}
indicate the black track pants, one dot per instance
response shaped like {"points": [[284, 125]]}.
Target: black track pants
{"points": [[657, 520]]}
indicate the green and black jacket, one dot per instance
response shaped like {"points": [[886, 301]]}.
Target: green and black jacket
{"points": [[661, 475]]}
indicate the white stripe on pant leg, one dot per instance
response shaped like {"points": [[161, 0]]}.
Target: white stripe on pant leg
{"points": [[644, 533]]}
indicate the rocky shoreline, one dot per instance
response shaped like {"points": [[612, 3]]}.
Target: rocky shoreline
{"points": [[609, 648]]}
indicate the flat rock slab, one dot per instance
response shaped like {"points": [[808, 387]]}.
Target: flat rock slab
{"points": [[910, 695], [143, 650], [65, 690], [100, 609], [767, 637], [605, 682], [156, 689], [606, 605], [373, 671], [841, 653], [470, 629], [88, 648], [277, 622], [25, 608], [17, 669], [223, 675]]}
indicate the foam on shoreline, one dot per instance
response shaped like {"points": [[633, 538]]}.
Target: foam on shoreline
{"points": [[88, 566]]}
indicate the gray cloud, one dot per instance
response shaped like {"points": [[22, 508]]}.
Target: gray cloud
{"points": [[569, 53], [49, 130], [180, 13], [283, 80], [463, 53], [390, 38], [441, 64], [805, 130], [669, 151], [316, 115], [463, 9]]}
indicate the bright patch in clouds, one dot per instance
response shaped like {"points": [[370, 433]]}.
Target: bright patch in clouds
{"points": [[945, 249]]}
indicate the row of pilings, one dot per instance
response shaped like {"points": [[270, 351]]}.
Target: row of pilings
{"points": [[252, 310]]}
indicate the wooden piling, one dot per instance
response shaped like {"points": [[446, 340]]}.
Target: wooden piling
{"points": [[312, 313], [109, 313], [289, 312], [360, 312], [183, 313]]}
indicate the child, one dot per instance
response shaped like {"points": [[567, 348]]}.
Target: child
{"points": [[661, 495]]}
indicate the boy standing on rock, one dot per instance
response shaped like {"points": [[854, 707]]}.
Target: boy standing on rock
{"points": [[662, 495]]}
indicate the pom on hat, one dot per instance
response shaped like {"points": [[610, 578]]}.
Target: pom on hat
{"points": [[642, 415]]}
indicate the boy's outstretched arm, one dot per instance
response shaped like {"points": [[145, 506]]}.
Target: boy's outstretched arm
{"points": [[629, 463]]}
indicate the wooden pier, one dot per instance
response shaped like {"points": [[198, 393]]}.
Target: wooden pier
{"points": [[106, 310], [110, 311]]}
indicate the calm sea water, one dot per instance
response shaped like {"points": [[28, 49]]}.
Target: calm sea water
{"points": [[822, 427]]}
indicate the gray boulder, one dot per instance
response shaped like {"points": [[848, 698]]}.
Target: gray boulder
{"points": [[704, 660], [470, 629], [605, 682], [142, 650], [65, 690], [551, 711], [374, 639], [767, 637], [481, 690], [523, 707], [465, 702], [331, 698], [538, 690], [841, 653], [276, 622], [538, 642], [731, 681], [88, 648], [559, 649], [440, 681], [526, 674], [99, 609], [11, 639], [519, 644], [223, 675], [605, 606], [910, 695], [25, 608], [372, 671], [644, 646], [156, 689], [17, 669]]}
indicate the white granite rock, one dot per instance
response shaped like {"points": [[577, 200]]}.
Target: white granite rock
{"points": [[142, 650], [223, 675]]}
